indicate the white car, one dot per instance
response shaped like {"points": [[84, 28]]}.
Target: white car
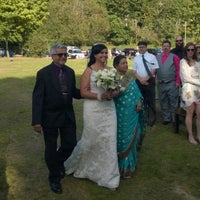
{"points": [[75, 54]]}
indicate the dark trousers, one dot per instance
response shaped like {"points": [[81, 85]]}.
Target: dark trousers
{"points": [[148, 93], [168, 95], [54, 155]]}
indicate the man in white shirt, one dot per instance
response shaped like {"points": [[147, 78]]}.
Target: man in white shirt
{"points": [[144, 68]]}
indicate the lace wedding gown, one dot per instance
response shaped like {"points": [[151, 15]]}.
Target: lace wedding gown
{"points": [[95, 156]]}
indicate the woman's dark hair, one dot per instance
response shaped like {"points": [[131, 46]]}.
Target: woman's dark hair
{"points": [[117, 60], [185, 51], [96, 48]]}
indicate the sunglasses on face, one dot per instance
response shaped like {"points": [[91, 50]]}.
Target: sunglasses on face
{"points": [[179, 40], [61, 54], [190, 49]]}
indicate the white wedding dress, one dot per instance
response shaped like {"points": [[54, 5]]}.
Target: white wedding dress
{"points": [[95, 155]]}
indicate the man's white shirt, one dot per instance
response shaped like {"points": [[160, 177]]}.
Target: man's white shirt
{"points": [[138, 65]]}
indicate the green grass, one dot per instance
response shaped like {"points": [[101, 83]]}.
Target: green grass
{"points": [[168, 168]]}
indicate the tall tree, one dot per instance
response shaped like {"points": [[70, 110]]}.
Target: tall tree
{"points": [[192, 25], [75, 22], [19, 18], [123, 15], [168, 18], [153, 20]]}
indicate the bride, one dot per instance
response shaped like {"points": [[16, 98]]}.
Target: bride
{"points": [[95, 156]]}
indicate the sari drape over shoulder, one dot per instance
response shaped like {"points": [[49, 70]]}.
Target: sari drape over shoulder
{"points": [[131, 127]]}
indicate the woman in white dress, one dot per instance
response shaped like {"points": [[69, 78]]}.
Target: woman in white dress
{"points": [[95, 156], [190, 97]]}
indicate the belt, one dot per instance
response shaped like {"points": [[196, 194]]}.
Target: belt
{"points": [[161, 81]]}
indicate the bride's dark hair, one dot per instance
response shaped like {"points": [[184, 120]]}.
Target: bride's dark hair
{"points": [[96, 48]]}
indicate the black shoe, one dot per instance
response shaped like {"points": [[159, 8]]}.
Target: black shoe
{"points": [[56, 187], [166, 122], [151, 124]]}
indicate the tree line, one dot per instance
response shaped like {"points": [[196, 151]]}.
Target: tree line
{"points": [[32, 26]]}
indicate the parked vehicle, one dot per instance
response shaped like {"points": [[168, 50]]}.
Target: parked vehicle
{"points": [[2, 52], [72, 47], [155, 51], [75, 54], [130, 52], [116, 52]]}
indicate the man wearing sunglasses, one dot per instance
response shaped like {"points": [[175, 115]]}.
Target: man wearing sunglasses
{"points": [[53, 113], [179, 49]]}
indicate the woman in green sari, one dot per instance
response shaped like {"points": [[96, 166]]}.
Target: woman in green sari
{"points": [[131, 124]]}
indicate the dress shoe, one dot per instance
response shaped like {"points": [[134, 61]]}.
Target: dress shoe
{"points": [[166, 122], [151, 122], [56, 187]]}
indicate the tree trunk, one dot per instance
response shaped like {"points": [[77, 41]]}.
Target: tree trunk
{"points": [[7, 50]]}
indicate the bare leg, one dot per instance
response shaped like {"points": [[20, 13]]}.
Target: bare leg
{"points": [[188, 123]]}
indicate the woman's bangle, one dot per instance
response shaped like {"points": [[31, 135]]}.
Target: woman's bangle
{"points": [[99, 96]]}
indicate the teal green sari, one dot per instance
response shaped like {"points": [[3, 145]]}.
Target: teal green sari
{"points": [[131, 127]]}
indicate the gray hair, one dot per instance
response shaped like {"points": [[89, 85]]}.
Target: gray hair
{"points": [[57, 46]]}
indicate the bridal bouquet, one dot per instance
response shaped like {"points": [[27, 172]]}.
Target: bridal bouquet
{"points": [[108, 79]]}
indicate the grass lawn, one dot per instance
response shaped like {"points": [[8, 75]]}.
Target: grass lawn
{"points": [[168, 168]]}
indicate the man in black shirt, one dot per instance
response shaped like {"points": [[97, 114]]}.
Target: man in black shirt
{"points": [[178, 50]]}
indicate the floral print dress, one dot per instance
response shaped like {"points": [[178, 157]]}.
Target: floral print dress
{"points": [[190, 83]]}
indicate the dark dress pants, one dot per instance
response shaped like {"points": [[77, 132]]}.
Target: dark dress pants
{"points": [[168, 95], [148, 93], [55, 156]]}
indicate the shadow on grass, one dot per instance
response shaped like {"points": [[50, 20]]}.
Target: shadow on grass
{"points": [[3, 182], [165, 162], [24, 149]]}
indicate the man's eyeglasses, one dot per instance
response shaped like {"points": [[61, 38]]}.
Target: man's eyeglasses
{"points": [[61, 54], [197, 46], [179, 40], [190, 49]]}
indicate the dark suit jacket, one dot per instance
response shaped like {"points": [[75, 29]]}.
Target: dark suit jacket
{"points": [[49, 108]]}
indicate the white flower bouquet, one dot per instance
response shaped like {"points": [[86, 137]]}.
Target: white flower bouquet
{"points": [[108, 79]]}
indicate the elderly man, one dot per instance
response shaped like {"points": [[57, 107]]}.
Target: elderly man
{"points": [[168, 76], [53, 113]]}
